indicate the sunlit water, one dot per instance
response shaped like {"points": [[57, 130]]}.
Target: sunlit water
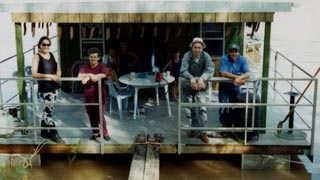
{"points": [[299, 40]]}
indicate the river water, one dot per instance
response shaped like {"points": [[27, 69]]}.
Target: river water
{"points": [[295, 34]]}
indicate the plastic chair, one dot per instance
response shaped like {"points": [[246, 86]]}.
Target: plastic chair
{"points": [[74, 73], [120, 94]]}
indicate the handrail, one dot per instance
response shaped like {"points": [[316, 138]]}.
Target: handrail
{"points": [[291, 62], [25, 52], [13, 56], [33, 103], [246, 105]]}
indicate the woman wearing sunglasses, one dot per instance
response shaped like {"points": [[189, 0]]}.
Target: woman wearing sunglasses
{"points": [[44, 65]]}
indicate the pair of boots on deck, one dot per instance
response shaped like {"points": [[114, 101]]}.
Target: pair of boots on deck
{"points": [[51, 134]]}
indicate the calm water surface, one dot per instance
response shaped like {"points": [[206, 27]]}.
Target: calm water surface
{"points": [[172, 167]]}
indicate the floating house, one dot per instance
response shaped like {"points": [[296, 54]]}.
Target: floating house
{"points": [[151, 28]]}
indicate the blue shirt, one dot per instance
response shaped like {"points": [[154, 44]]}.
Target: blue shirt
{"points": [[240, 66]]}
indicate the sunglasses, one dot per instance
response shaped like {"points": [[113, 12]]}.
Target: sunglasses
{"points": [[46, 45]]}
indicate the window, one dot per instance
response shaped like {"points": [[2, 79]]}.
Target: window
{"points": [[213, 35]]}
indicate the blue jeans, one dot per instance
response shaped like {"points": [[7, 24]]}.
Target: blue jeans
{"points": [[227, 94]]}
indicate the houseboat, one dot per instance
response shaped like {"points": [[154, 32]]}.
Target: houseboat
{"points": [[151, 28]]}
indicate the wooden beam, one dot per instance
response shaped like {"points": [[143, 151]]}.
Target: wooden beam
{"points": [[165, 148], [61, 18], [123, 17], [86, 17], [152, 164], [257, 17], [141, 17], [234, 17], [159, 17], [265, 71], [138, 162], [242, 149], [147, 18], [184, 17], [172, 17], [196, 17], [135, 18], [74, 17], [20, 67], [222, 17], [269, 17], [20, 17], [209, 17], [98, 17], [36, 17]]}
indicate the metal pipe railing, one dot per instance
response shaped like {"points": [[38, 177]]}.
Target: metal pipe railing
{"points": [[34, 103], [247, 105]]}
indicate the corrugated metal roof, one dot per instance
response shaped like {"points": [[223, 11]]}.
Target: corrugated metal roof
{"points": [[144, 6]]}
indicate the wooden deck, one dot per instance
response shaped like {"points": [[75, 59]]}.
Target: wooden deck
{"points": [[155, 120]]}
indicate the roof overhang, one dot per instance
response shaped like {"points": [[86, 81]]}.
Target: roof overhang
{"points": [[144, 6], [144, 10]]}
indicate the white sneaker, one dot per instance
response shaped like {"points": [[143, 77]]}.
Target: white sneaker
{"points": [[142, 110]]}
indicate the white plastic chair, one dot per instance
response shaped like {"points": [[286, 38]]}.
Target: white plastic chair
{"points": [[119, 93]]}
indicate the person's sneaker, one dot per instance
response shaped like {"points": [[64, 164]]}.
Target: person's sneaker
{"points": [[204, 137], [224, 133], [142, 110], [191, 134], [94, 136], [44, 132], [56, 138], [106, 138]]}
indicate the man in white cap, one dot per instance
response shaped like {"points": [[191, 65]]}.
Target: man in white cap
{"points": [[233, 66], [197, 68]]}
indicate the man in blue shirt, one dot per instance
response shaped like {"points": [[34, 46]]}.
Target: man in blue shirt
{"points": [[197, 67], [233, 66]]}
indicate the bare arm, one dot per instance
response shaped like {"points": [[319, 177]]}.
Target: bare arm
{"points": [[238, 80], [89, 76], [135, 58]]}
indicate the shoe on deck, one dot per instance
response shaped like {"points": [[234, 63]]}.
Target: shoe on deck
{"points": [[57, 139], [106, 138], [95, 137], [191, 134], [204, 137]]}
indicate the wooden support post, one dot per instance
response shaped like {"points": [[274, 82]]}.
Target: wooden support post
{"points": [[265, 71], [20, 64]]}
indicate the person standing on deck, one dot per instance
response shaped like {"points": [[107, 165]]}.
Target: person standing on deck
{"points": [[173, 66], [44, 65], [90, 75], [233, 66], [128, 60], [197, 67]]}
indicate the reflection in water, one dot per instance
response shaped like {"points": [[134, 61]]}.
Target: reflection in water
{"points": [[172, 167]]}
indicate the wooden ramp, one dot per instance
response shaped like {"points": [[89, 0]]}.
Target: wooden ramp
{"points": [[145, 161]]}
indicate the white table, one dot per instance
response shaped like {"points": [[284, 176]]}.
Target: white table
{"points": [[140, 82]]}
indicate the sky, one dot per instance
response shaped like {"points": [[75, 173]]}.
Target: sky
{"points": [[300, 24]]}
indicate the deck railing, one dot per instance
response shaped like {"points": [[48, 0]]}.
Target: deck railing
{"points": [[308, 126], [34, 103], [3, 83], [273, 82]]}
